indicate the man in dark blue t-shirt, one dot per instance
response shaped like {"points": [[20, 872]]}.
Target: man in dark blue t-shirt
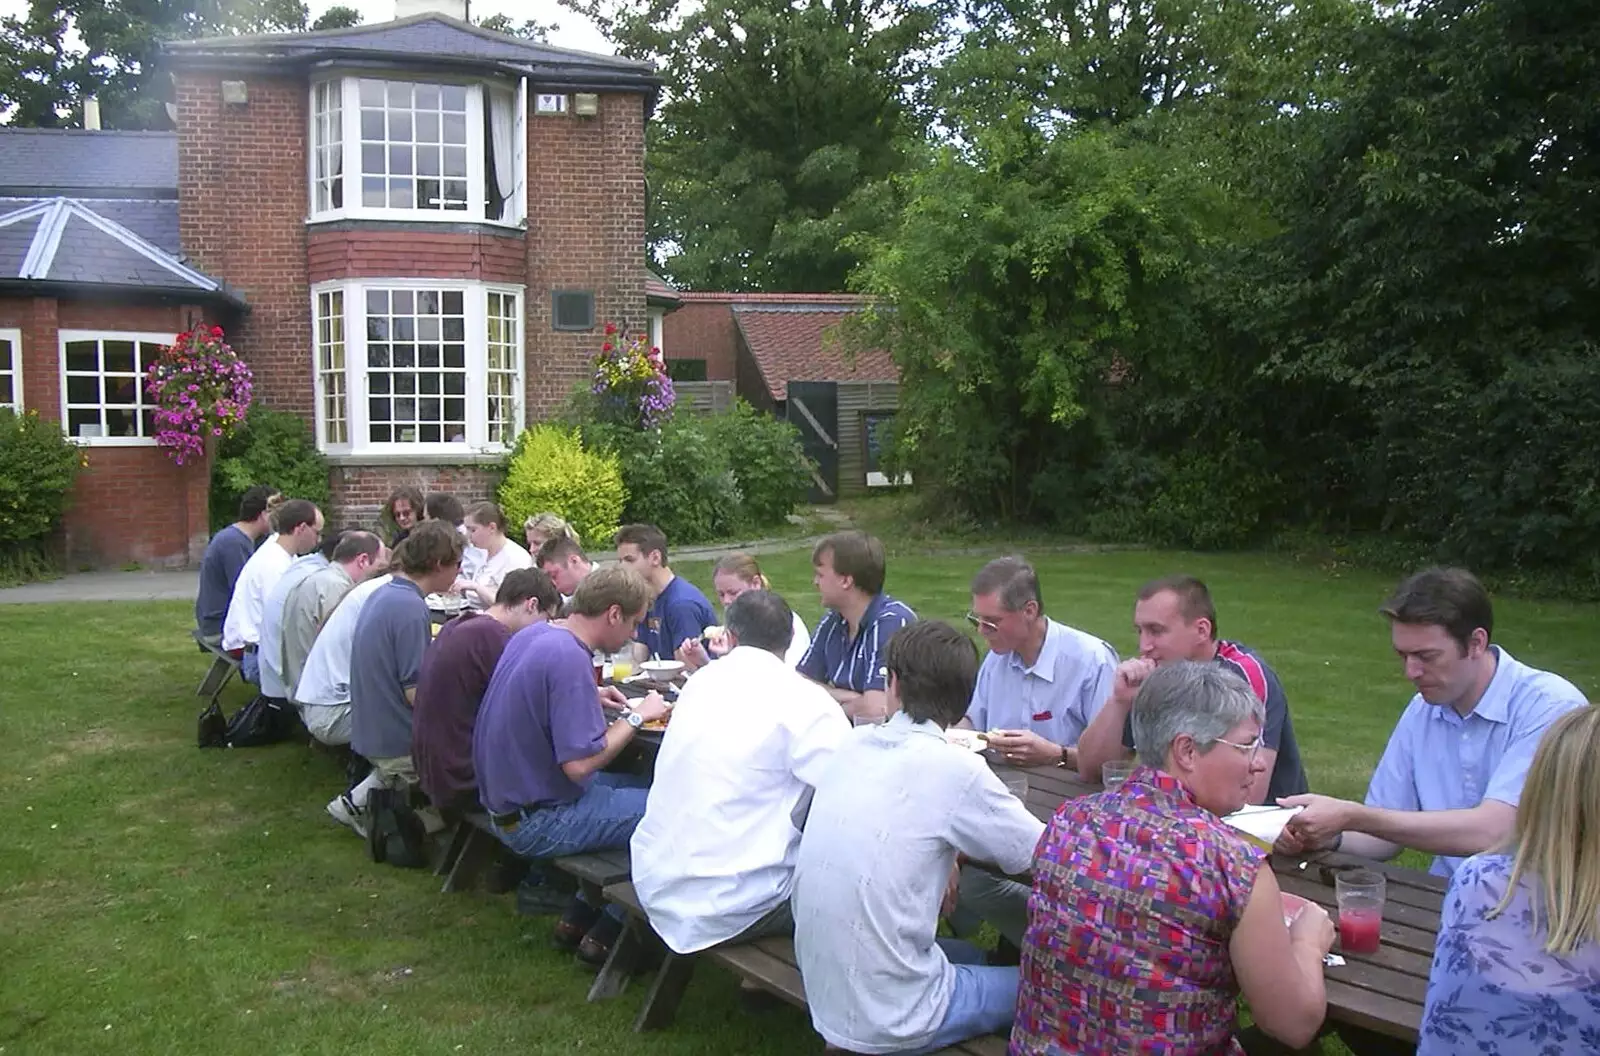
{"points": [[679, 610], [225, 558]]}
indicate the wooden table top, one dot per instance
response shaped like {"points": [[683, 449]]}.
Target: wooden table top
{"points": [[1382, 992]]}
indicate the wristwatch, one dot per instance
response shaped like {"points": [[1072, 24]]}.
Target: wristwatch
{"points": [[1066, 759], [633, 718]]}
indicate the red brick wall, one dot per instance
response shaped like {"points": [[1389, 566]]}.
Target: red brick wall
{"points": [[242, 218], [585, 232], [132, 504], [359, 492], [704, 331], [479, 256]]}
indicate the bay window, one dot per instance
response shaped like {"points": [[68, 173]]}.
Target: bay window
{"points": [[413, 150], [420, 366]]}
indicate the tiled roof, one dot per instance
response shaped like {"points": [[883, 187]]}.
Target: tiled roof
{"points": [[660, 292], [726, 297], [798, 342], [65, 241], [55, 161], [430, 37]]}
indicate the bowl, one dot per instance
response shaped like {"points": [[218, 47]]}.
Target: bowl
{"points": [[662, 670]]}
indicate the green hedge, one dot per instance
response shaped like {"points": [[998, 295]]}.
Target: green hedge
{"points": [[273, 447]]}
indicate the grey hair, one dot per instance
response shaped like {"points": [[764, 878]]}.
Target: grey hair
{"points": [[1201, 700], [1014, 579], [762, 619]]}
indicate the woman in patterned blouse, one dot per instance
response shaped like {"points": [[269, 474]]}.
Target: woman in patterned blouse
{"points": [[1517, 968], [1149, 914]]}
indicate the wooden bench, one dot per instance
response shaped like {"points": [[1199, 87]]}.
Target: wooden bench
{"points": [[768, 964], [473, 845], [223, 668]]}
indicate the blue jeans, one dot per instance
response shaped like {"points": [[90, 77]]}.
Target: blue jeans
{"points": [[983, 1001], [602, 819], [250, 667]]}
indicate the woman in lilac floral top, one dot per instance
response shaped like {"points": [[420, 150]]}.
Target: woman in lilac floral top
{"points": [[1517, 968], [1149, 914]]}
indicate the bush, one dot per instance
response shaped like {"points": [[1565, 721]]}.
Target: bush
{"points": [[37, 467], [677, 478], [275, 448], [767, 461], [550, 471]]}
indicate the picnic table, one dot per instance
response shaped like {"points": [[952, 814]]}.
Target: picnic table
{"points": [[1381, 992]]}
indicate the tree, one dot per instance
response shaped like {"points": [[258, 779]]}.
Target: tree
{"points": [[528, 29], [116, 60], [338, 17], [781, 128]]}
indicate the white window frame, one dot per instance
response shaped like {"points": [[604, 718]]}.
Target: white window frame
{"points": [[349, 120], [475, 308], [14, 337], [66, 337]]}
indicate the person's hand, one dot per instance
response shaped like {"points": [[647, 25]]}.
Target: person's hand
{"points": [[719, 646], [692, 654], [952, 890], [1317, 826], [651, 708], [611, 696], [1313, 927], [1130, 675], [461, 586], [1289, 842], [1024, 747]]}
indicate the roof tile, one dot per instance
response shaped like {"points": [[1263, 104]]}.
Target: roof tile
{"points": [[800, 342], [51, 161]]}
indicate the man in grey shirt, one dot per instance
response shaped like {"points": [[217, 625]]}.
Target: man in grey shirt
{"points": [[869, 883], [309, 603]]}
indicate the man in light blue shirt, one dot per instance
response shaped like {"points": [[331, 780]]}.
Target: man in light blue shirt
{"points": [[270, 649], [1451, 777]]}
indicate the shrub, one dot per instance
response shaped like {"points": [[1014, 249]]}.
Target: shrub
{"points": [[275, 448], [37, 467], [550, 470], [677, 478], [767, 461]]}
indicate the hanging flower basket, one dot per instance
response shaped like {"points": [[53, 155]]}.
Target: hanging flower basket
{"points": [[201, 390], [630, 382]]}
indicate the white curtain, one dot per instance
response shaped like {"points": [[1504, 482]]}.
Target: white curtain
{"points": [[503, 128]]}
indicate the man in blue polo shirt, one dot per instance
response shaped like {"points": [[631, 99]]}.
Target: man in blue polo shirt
{"points": [[846, 653], [677, 610], [1451, 777]]}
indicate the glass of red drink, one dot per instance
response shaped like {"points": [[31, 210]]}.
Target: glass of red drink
{"points": [[1360, 893]]}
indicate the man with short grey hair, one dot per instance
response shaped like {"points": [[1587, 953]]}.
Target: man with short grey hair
{"points": [[713, 857]]}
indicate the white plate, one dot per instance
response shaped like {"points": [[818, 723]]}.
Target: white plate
{"points": [[971, 740]]}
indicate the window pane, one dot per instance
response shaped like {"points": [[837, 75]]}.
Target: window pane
{"points": [[428, 328], [404, 299], [371, 93], [455, 131], [7, 396], [451, 300], [455, 194], [454, 97], [380, 434], [455, 384], [455, 357], [77, 420], [122, 422], [431, 434], [405, 328], [378, 384], [400, 126], [428, 356], [399, 94], [123, 391], [377, 355], [401, 195], [428, 384], [427, 97], [400, 161], [372, 125], [455, 162], [373, 193], [455, 410], [83, 355], [372, 158], [5, 355], [81, 389], [428, 126], [405, 356], [149, 352]]}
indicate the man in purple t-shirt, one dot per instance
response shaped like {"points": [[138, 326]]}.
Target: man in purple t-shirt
{"points": [[542, 738], [455, 672]]}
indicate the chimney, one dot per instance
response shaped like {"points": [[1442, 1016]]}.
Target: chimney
{"points": [[454, 8], [91, 114]]}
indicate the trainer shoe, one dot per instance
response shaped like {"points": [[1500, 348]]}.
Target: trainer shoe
{"points": [[344, 810]]}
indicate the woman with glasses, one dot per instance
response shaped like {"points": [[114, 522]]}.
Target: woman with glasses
{"points": [[1150, 915]]}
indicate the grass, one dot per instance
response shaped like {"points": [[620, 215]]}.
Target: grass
{"points": [[159, 898]]}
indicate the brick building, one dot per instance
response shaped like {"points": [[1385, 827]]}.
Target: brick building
{"points": [[412, 231]]}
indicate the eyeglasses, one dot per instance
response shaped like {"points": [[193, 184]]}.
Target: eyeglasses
{"points": [[982, 623], [1250, 750]]}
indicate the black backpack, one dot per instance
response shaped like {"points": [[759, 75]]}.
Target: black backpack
{"points": [[395, 834]]}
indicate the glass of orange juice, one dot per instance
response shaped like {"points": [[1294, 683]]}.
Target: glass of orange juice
{"points": [[621, 665]]}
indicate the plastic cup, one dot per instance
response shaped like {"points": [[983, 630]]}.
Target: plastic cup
{"points": [[1016, 783], [1114, 774], [864, 720], [621, 666], [599, 670], [1360, 894]]}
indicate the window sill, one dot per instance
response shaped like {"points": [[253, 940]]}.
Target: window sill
{"points": [[391, 222], [418, 458]]}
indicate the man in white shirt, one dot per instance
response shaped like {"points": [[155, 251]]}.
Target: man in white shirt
{"points": [[323, 693], [713, 857], [299, 526], [269, 650], [894, 808]]}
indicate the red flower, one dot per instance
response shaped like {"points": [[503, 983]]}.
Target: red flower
{"points": [[611, 328], [606, 347], [216, 331]]}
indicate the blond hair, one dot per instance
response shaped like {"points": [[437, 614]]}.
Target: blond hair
{"points": [[1557, 835], [743, 566], [551, 526]]}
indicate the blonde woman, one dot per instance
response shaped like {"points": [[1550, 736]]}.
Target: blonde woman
{"points": [[543, 527], [502, 554], [1517, 967], [734, 575]]}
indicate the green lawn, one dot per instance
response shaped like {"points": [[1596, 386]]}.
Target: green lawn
{"points": [[155, 898]]}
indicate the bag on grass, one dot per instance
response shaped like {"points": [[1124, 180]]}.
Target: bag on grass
{"points": [[262, 721], [394, 832], [212, 728]]}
